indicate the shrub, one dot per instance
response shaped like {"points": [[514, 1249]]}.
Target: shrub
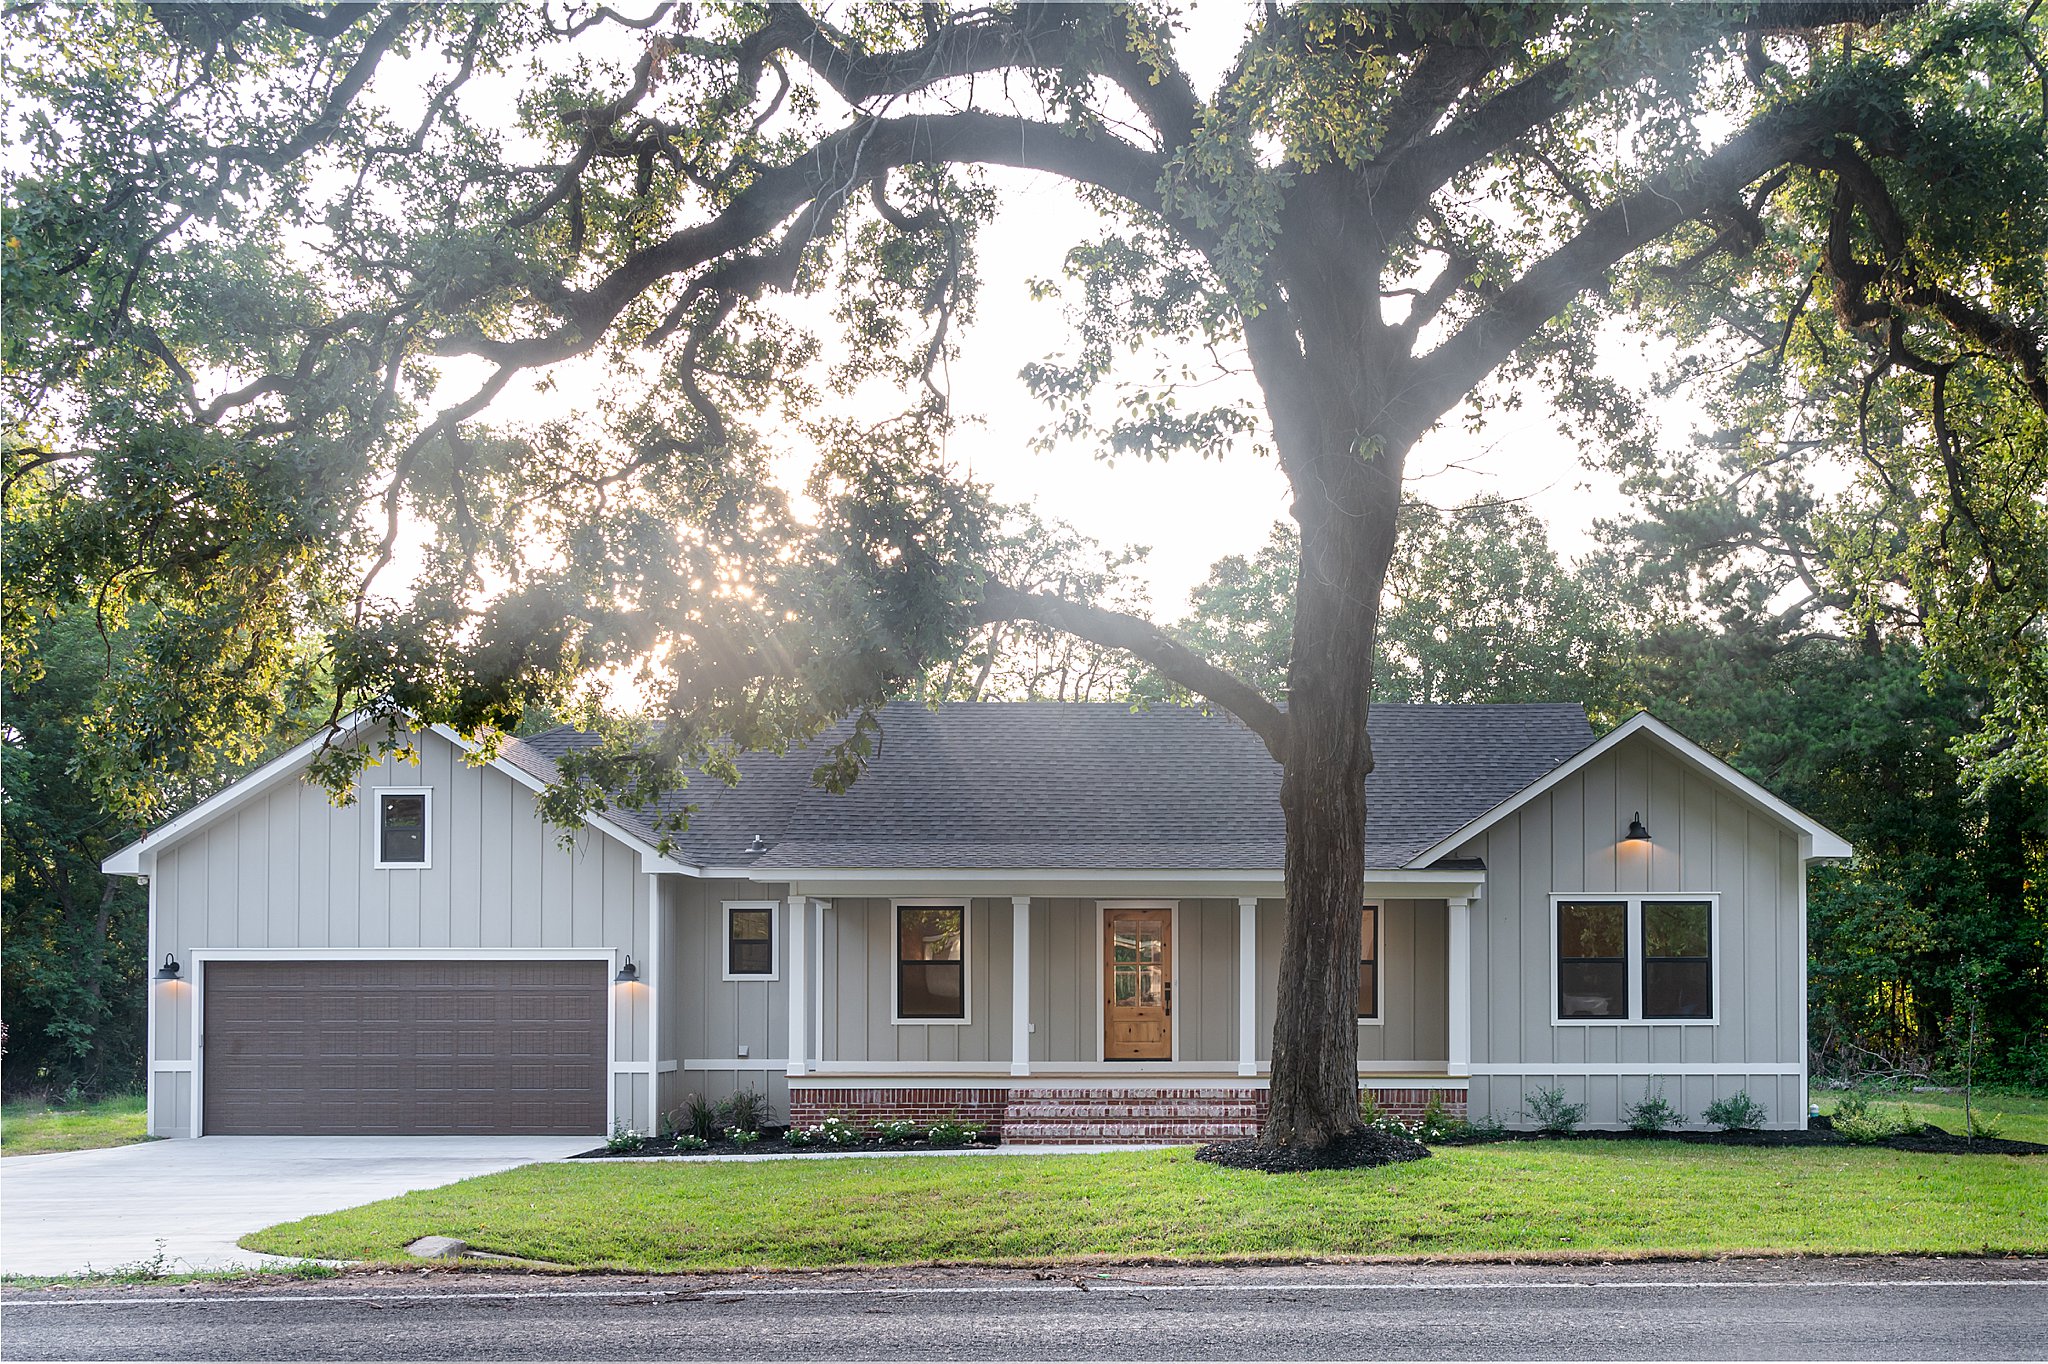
{"points": [[834, 1131], [1652, 1114], [624, 1140], [1370, 1114], [1736, 1113], [745, 1111], [1856, 1120], [743, 1137], [687, 1142], [952, 1132], [1554, 1112], [1438, 1123], [895, 1133], [1488, 1128], [1982, 1126], [703, 1119], [799, 1136]]}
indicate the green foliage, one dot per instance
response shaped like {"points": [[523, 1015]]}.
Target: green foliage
{"points": [[953, 1132], [690, 1141], [624, 1140], [1554, 1111], [1737, 1112], [1859, 1121], [746, 1110], [743, 1137], [701, 1118], [1652, 1113]]}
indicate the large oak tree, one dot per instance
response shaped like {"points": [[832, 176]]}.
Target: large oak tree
{"points": [[270, 269]]}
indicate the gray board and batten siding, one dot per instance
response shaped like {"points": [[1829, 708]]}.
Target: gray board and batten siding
{"points": [[1706, 840], [289, 876]]}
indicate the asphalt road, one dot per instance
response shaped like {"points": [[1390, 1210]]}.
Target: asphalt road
{"points": [[1813, 1309]]}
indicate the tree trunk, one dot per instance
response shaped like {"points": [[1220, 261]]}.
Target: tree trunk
{"points": [[1347, 539]]}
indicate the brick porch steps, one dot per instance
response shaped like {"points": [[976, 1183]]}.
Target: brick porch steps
{"points": [[1046, 1117]]}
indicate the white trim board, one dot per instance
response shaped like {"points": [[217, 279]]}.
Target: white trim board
{"points": [[377, 795], [1539, 1069], [1635, 949], [966, 907], [775, 910], [1817, 840]]}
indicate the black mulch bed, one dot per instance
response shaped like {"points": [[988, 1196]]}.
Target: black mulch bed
{"points": [[1929, 1139], [1359, 1149], [772, 1143]]}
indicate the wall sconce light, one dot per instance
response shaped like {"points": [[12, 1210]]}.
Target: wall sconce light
{"points": [[629, 974], [1636, 832], [169, 970]]}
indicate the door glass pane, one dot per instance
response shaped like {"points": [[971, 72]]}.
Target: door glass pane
{"points": [[1126, 988]]}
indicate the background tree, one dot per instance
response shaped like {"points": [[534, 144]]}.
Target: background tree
{"points": [[268, 268]]}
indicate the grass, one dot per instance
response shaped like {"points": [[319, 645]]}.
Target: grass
{"points": [[1518, 1199], [2021, 1117], [151, 1272], [37, 1127]]}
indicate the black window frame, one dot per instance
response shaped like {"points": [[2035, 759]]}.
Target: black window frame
{"points": [[1369, 957], [1561, 960], [382, 858], [926, 964], [1713, 1004], [732, 970]]}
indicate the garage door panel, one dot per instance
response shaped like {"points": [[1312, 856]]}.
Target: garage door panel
{"points": [[382, 1048]]}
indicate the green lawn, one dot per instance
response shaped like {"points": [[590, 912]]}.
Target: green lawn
{"points": [[32, 1128], [2021, 1117], [1508, 1199]]}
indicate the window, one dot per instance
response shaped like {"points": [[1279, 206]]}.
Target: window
{"points": [[1592, 959], [750, 940], [1678, 959], [1636, 958], [931, 966], [402, 828], [1369, 963]]}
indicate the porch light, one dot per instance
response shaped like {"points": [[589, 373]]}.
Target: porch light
{"points": [[1636, 832], [169, 970], [629, 974]]}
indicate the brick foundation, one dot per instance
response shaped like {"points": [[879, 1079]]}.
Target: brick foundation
{"points": [[1044, 1113], [863, 1107]]}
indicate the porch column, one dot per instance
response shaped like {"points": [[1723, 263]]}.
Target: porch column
{"points": [[1020, 985], [798, 984], [1248, 985], [1458, 983]]}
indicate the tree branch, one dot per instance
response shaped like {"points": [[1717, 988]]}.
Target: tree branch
{"points": [[1453, 369], [1147, 642]]}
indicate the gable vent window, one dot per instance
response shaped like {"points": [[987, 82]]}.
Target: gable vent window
{"points": [[1592, 959], [402, 828]]}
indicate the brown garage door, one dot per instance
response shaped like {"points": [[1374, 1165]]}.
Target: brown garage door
{"points": [[358, 1048]]}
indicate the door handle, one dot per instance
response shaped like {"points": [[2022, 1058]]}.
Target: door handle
{"points": [[1169, 999]]}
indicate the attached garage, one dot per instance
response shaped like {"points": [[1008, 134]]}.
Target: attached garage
{"points": [[396, 1047]]}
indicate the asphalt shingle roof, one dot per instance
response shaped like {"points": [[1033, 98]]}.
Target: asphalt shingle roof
{"points": [[1078, 786]]}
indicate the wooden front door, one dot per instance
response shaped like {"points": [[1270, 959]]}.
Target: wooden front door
{"points": [[1137, 984]]}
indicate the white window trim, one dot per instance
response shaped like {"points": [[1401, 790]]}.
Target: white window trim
{"points": [[966, 908], [377, 794], [774, 908], [1634, 900], [1379, 972]]}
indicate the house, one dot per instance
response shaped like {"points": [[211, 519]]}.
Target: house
{"points": [[1063, 920]]}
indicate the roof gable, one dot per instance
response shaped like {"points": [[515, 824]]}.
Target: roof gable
{"points": [[1818, 841]]}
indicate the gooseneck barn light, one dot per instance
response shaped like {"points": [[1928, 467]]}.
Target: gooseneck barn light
{"points": [[169, 970], [629, 974], [1636, 832]]}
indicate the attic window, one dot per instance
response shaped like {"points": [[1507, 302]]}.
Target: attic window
{"points": [[402, 831]]}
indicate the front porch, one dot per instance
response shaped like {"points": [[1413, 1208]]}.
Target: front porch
{"points": [[1101, 1017]]}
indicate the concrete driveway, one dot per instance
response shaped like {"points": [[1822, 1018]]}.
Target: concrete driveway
{"points": [[78, 1210]]}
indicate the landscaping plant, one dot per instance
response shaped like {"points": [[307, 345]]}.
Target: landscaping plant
{"points": [[743, 1137], [624, 1140], [1652, 1114], [703, 1118], [1736, 1113], [746, 1111], [1554, 1112]]}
